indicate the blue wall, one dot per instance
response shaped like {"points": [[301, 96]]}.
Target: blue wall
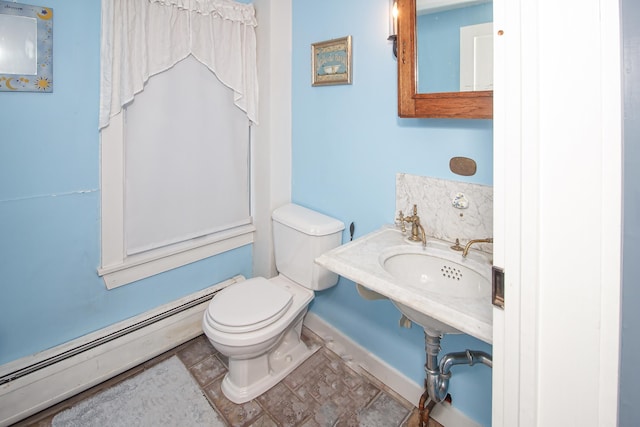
{"points": [[50, 206], [629, 373], [348, 144]]}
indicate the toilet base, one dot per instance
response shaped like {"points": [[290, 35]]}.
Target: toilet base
{"points": [[249, 378]]}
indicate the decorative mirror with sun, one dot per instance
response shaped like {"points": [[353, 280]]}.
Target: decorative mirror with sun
{"points": [[26, 48]]}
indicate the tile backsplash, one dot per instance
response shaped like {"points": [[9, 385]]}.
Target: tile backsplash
{"points": [[436, 200]]}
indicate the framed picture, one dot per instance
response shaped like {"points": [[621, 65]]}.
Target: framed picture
{"points": [[26, 48], [331, 62]]}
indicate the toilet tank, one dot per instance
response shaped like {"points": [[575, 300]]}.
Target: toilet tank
{"points": [[300, 235]]}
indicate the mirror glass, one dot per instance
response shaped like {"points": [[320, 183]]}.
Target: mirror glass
{"points": [[454, 45], [18, 38]]}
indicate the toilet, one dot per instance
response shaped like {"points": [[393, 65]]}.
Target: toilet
{"points": [[257, 323]]}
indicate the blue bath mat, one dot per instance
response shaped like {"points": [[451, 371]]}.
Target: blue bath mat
{"points": [[163, 395]]}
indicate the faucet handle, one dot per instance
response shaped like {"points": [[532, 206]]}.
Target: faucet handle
{"points": [[457, 246], [401, 220]]}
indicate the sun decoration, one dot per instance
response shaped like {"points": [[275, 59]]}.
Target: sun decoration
{"points": [[43, 83]]}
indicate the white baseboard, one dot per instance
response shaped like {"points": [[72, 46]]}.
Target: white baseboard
{"points": [[47, 386], [353, 352]]}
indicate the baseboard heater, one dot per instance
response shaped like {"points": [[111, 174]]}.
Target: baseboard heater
{"points": [[37, 382]]}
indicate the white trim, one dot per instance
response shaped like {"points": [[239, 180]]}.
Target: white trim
{"points": [[271, 150], [119, 269], [354, 353], [509, 121], [611, 232], [153, 262], [499, 204], [45, 387], [112, 192]]}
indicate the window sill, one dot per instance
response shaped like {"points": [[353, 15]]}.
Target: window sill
{"points": [[157, 261]]}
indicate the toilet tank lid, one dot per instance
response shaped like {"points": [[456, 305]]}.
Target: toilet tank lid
{"points": [[307, 221]]}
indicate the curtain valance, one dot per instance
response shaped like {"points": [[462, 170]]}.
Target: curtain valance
{"points": [[225, 9], [141, 38]]}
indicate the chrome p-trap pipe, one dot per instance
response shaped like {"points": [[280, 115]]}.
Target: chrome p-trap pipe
{"points": [[438, 374]]}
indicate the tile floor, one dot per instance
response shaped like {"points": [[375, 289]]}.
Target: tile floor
{"points": [[322, 392]]}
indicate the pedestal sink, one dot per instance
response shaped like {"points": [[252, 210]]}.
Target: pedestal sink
{"points": [[433, 286]]}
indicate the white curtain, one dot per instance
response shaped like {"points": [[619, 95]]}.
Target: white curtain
{"points": [[141, 38]]}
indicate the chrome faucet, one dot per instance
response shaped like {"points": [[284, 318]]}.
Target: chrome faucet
{"points": [[471, 242], [417, 230]]}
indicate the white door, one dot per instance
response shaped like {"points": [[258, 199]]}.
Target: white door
{"points": [[557, 212], [476, 57]]}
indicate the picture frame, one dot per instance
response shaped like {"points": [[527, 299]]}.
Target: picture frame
{"points": [[26, 37], [331, 62]]}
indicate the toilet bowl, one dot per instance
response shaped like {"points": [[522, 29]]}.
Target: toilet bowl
{"points": [[257, 323]]}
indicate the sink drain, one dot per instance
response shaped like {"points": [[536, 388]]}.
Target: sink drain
{"points": [[451, 272]]}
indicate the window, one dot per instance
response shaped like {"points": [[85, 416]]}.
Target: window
{"points": [[184, 176], [174, 147]]}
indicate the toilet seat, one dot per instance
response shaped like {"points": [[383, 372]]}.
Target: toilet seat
{"points": [[248, 306]]}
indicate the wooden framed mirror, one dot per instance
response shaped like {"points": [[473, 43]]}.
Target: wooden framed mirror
{"points": [[413, 104]]}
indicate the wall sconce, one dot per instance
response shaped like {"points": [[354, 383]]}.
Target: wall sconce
{"points": [[393, 25]]}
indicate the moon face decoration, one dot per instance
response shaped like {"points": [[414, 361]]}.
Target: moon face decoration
{"points": [[45, 13], [20, 84], [17, 33], [7, 84]]}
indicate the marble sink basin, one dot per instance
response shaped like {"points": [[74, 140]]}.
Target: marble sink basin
{"points": [[435, 287], [431, 270]]}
